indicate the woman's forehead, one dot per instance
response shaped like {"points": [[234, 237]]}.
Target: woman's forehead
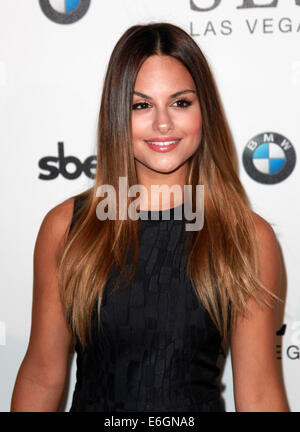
{"points": [[158, 72]]}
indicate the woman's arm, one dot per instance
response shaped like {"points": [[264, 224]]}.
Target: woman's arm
{"points": [[41, 378], [257, 385]]}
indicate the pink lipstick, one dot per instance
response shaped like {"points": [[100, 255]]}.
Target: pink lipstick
{"points": [[164, 144]]}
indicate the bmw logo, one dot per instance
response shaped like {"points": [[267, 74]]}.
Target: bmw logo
{"points": [[269, 158], [64, 11]]}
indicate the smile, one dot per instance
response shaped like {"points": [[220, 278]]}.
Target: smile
{"points": [[163, 145]]}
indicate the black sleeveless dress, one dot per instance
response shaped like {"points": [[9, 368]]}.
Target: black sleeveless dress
{"points": [[157, 347]]}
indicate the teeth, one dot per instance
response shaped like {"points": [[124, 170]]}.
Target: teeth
{"points": [[164, 143]]}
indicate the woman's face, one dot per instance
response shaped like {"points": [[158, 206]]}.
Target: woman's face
{"points": [[166, 113]]}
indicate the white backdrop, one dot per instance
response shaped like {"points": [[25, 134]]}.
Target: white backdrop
{"points": [[51, 76]]}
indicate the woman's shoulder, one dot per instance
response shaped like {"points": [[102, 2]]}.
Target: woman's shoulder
{"points": [[56, 225], [53, 231], [264, 229], [61, 215], [58, 220], [268, 245]]}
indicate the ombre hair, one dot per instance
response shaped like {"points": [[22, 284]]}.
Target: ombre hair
{"points": [[222, 262]]}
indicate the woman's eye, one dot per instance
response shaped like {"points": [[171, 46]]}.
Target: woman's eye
{"points": [[182, 103], [140, 106]]}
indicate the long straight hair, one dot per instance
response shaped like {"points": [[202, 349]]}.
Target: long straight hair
{"points": [[223, 259]]}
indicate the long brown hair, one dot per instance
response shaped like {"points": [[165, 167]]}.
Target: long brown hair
{"points": [[223, 260]]}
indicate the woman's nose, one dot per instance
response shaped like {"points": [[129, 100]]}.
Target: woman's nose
{"points": [[162, 121]]}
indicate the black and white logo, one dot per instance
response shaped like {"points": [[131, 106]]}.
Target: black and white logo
{"points": [[64, 11], [269, 158], [53, 166]]}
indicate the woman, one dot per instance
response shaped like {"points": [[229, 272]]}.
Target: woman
{"points": [[146, 303]]}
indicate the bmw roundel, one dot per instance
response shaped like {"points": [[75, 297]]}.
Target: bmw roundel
{"points": [[64, 11], [269, 158]]}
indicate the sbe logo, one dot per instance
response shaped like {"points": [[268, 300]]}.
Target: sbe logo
{"points": [[64, 11], [269, 158], [54, 166]]}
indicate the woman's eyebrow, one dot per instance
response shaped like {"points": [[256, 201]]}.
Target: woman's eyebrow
{"points": [[174, 95]]}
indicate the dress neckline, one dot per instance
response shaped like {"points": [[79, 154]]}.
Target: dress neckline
{"points": [[158, 214]]}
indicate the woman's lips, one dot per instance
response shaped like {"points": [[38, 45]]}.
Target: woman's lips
{"points": [[163, 145]]}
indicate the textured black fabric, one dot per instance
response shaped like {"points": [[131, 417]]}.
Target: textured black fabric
{"points": [[157, 347]]}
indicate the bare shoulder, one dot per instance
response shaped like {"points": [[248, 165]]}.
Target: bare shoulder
{"points": [[55, 226], [266, 237], [263, 227], [59, 217]]}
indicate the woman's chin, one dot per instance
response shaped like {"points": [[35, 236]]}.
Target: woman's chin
{"points": [[160, 167], [165, 168]]}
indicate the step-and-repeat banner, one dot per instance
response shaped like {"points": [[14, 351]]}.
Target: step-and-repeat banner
{"points": [[53, 57]]}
